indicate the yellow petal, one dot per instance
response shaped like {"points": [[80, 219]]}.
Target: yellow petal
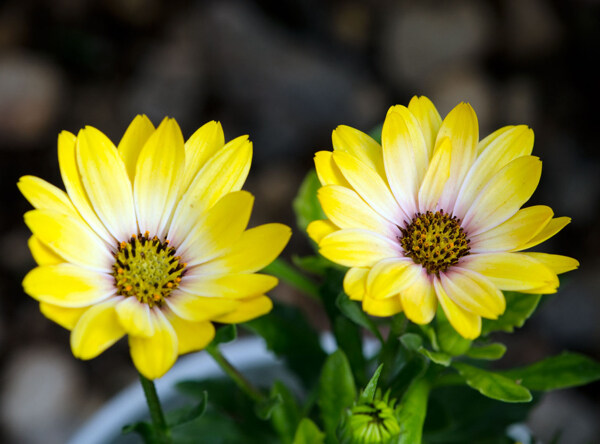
{"points": [[97, 329], [64, 316], [429, 120], [256, 248], [200, 147], [435, 178], [216, 232], [462, 128], [191, 336], [223, 173], [70, 239], [158, 171], [71, 177], [154, 356], [504, 194], [327, 171], [488, 140], [358, 248], [418, 299], [555, 262], [235, 286], [512, 271], [381, 307], [467, 324], [405, 156], [135, 318], [197, 308], [514, 232], [355, 283], [370, 186], [473, 292], [359, 145], [347, 210], [318, 229], [553, 227], [42, 254], [106, 182], [45, 196], [248, 309], [389, 277], [68, 285], [509, 145], [136, 135]]}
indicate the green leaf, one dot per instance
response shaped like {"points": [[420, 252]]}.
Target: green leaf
{"points": [[440, 358], [489, 352], [144, 429], [289, 335], [411, 412], [288, 274], [308, 433], [352, 311], [493, 385], [187, 414], [316, 264], [411, 341], [368, 394], [336, 391], [449, 340], [375, 133], [519, 306], [565, 370], [264, 408], [224, 334], [285, 417], [429, 332], [306, 205]]}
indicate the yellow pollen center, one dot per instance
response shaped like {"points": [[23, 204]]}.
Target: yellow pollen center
{"points": [[147, 268], [436, 241]]}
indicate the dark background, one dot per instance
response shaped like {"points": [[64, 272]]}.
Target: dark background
{"points": [[287, 73]]}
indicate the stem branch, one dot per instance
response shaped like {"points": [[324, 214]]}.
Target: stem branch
{"points": [[288, 274], [235, 375], [156, 413]]}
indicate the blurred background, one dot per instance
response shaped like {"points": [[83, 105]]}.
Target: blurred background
{"points": [[288, 73]]}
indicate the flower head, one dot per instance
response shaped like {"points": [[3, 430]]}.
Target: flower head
{"points": [[433, 215], [149, 240]]}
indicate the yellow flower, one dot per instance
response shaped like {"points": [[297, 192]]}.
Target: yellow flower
{"points": [[433, 215], [148, 241]]}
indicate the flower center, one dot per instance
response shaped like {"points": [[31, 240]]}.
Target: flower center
{"points": [[147, 268], [434, 240]]}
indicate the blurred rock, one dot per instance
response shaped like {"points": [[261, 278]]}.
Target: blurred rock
{"points": [[14, 254], [169, 78], [352, 23], [532, 28], [419, 42], [42, 396], [519, 102], [30, 97], [289, 93], [466, 84], [577, 424]]}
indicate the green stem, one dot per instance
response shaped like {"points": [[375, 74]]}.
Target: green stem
{"points": [[389, 351], [156, 413], [235, 375], [288, 274]]}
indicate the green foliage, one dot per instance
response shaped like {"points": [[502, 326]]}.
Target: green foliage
{"points": [[449, 340], [308, 433], [336, 391], [306, 205], [368, 394], [289, 335], [224, 334], [355, 313], [412, 411], [493, 385], [488, 352], [557, 372], [144, 429], [285, 416], [519, 307]]}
